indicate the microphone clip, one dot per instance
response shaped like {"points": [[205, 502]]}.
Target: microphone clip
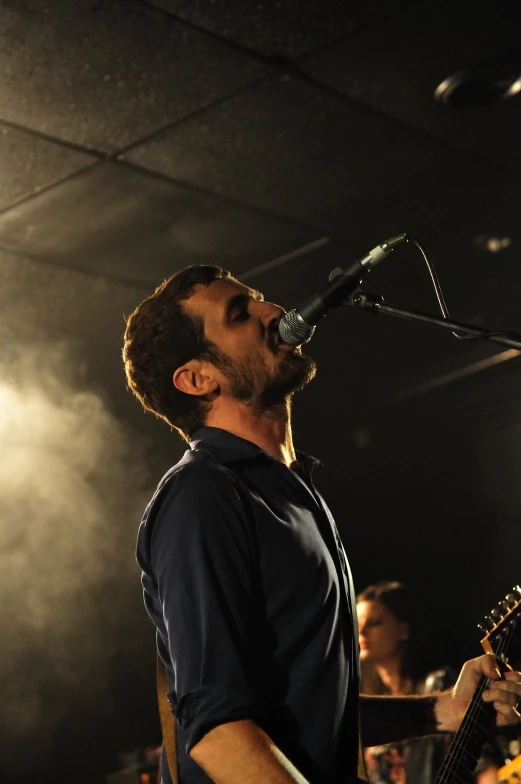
{"points": [[365, 301]]}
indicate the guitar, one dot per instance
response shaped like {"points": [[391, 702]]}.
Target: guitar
{"points": [[502, 638], [510, 773]]}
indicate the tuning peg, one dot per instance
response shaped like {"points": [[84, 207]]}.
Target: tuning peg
{"points": [[496, 613], [482, 628], [511, 598], [489, 622], [517, 590]]}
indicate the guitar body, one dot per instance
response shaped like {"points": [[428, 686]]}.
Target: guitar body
{"points": [[510, 773], [502, 639]]}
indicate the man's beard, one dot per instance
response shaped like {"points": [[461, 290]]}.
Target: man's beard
{"points": [[252, 382]]}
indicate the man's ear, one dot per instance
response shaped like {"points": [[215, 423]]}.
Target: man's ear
{"points": [[195, 378]]}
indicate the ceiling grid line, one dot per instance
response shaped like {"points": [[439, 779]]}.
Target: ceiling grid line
{"points": [[221, 197], [86, 149], [200, 111], [76, 270], [285, 67], [44, 189]]}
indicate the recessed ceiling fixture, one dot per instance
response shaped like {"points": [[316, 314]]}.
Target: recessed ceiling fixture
{"points": [[492, 243], [478, 87], [482, 84]]}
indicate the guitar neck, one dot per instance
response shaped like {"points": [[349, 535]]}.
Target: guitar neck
{"points": [[466, 747], [502, 639]]}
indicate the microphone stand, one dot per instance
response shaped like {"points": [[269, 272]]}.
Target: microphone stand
{"points": [[375, 304]]}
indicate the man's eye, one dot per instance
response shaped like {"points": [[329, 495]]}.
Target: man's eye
{"points": [[243, 315]]}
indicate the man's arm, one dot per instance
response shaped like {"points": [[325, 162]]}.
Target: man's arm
{"points": [[239, 752], [205, 569], [389, 719]]}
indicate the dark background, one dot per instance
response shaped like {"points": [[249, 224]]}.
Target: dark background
{"points": [[281, 140]]}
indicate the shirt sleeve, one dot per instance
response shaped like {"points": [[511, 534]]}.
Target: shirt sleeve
{"points": [[202, 557]]}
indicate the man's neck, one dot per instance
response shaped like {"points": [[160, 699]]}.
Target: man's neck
{"points": [[271, 430]]}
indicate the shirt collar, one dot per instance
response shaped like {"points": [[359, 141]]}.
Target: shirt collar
{"points": [[229, 448]]}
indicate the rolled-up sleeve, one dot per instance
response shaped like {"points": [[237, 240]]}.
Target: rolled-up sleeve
{"points": [[202, 558]]}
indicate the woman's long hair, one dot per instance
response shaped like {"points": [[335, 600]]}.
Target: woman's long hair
{"points": [[400, 600]]}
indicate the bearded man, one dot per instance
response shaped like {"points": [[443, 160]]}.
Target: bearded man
{"points": [[244, 573]]}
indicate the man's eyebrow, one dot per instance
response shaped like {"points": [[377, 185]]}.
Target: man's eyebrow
{"points": [[240, 300], [257, 295]]}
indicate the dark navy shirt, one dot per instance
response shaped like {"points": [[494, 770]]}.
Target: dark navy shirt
{"points": [[247, 582]]}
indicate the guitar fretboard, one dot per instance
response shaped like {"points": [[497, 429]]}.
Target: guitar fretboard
{"points": [[461, 760]]}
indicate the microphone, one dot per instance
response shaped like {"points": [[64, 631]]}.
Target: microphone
{"points": [[298, 325]]}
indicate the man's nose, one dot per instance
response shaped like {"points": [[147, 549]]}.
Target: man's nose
{"points": [[271, 313]]}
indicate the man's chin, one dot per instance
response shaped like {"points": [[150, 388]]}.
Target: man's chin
{"points": [[308, 368], [294, 374], [299, 366]]}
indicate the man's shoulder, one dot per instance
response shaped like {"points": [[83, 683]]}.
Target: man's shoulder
{"points": [[196, 489], [197, 478], [196, 465]]}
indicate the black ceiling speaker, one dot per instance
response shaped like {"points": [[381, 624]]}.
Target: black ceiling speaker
{"points": [[482, 84]]}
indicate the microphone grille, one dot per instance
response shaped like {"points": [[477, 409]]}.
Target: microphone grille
{"points": [[293, 330]]}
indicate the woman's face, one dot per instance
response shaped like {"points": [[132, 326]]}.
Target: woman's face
{"points": [[380, 633]]}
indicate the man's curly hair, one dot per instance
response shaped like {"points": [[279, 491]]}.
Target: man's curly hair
{"points": [[160, 337]]}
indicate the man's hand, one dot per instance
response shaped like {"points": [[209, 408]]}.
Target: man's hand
{"points": [[504, 692]]}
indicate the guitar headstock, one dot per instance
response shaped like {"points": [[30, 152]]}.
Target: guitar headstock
{"points": [[501, 626]]}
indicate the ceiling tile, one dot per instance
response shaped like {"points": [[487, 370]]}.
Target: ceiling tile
{"points": [[305, 153], [30, 163], [107, 74], [130, 225], [396, 66], [285, 29]]}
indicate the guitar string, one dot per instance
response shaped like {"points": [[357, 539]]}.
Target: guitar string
{"points": [[458, 746], [453, 758], [449, 765], [469, 718]]}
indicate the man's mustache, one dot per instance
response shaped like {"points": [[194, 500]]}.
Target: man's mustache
{"points": [[273, 337]]}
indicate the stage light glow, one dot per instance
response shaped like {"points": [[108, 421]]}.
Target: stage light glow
{"points": [[514, 88], [492, 243], [68, 486], [497, 244]]}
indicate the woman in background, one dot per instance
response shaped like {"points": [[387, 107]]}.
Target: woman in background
{"points": [[393, 655]]}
